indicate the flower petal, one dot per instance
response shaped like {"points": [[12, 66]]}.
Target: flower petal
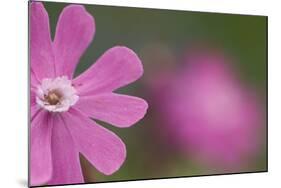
{"points": [[41, 54], [116, 109], [117, 67], [34, 108], [74, 32], [40, 144], [33, 80], [101, 147], [66, 163]]}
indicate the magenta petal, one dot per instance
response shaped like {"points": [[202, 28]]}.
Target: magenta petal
{"points": [[66, 163], [74, 32], [101, 147], [40, 153], [117, 67], [34, 108], [41, 55], [33, 80], [116, 109]]}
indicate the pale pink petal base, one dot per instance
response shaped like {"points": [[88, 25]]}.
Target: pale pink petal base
{"points": [[116, 109], [101, 147], [66, 163], [40, 152]]}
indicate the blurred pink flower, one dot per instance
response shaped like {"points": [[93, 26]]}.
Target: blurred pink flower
{"points": [[207, 112], [61, 106]]}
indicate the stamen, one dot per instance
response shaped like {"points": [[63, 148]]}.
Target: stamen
{"points": [[56, 95], [53, 97]]}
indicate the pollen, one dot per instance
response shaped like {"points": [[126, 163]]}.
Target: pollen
{"points": [[53, 97], [56, 94]]}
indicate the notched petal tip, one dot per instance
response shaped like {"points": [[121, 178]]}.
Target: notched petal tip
{"points": [[116, 68], [119, 160], [41, 53], [74, 32], [35, 4], [116, 109], [129, 53], [38, 10], [81, 12], [145, 107], [140, 115]]}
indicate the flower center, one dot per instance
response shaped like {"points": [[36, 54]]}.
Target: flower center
{"points": [[56, 95], [53, 97]]}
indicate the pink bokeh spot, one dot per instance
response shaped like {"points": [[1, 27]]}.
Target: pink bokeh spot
{"points": [[61, 106], [208, 114]]}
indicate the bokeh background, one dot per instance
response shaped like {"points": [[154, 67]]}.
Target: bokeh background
{"points": [[162, 39]]}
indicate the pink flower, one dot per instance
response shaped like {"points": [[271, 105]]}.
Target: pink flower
{"points": [[61, 106], [208, 113]]}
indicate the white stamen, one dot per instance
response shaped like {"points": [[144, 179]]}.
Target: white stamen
{"points": [[56, 95]]}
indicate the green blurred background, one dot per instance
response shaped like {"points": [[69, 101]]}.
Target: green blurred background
{"points": [[169, 33]]}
